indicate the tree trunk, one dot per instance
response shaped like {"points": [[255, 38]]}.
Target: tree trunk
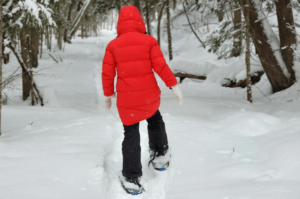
{"points": [[68, 19], [148, 21], [119, 6], [270, 58], [174, 4], [41, 47], [26, 57], [249, 91], [79, 18], [59, 30], [34, 50], [169, 30], [221, 14], [138, 5], [35, 95], [287, 34], [50, 39], [237, 38], [82, 30], [159, 21], [112, 20], [1, 39], [5, 58]]}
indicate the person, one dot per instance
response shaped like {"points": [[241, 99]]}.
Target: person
{"points": [[134, 55]]}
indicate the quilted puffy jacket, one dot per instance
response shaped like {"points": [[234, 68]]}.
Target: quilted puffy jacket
{"points": [[134, 55]]}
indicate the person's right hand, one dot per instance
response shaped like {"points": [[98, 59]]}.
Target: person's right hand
{"points": [[107, 101], [178, 94]]}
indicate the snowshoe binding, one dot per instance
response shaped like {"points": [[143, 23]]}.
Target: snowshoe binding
{"points": [[131, 185], [160, 160]]}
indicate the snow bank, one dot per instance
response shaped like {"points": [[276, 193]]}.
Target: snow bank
{"points": [[287, 95], [280, 151], [245, 123], [191, 67], [50, 97]]}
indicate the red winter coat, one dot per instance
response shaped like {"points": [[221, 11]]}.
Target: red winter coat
{"points": [[135, 55]]}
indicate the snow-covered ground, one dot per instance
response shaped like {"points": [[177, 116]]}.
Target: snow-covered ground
{"points": [[222, 146]]}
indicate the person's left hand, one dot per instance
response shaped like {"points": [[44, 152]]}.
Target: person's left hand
{"points": [[107, 101], [178, 94]]}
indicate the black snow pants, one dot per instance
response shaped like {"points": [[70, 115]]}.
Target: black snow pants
{"points": [[131, 148]]}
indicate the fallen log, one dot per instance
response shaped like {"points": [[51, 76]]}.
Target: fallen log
{"points": [[232, 84], [243, 83], [182, 76]]}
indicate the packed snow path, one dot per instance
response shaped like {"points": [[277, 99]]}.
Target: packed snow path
{"points": [[222, 147]]}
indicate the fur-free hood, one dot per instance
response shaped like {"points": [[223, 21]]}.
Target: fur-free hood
{"points": [[130, 20]]}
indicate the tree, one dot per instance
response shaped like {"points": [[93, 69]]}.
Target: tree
{"points": [[79, 19], [278, 70], [221, 13], [169, 30], [237, 23], [138, 5], [148, 20], [68, 19], [159, 21], [1, 39], [287, 34], [59, 29], [27, 60], [247, 57], [20, 22]]}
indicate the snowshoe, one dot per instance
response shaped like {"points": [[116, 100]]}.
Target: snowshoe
{"points": [[160, 160], [131, 185]]}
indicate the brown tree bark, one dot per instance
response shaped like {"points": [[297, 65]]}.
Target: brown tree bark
{"points": [[26, 57], [148, 21], [221, 15], [1, 43], [247, 57], [287, 33], [169, 30], [266, 55], [79, 18], [82, 34], [237, 38], [34, 47], [5, 58], [159, 21], [112, 19], [68, 19], [59, 30], [41, 46], [35, 91], [137, 4], [174, 4]]}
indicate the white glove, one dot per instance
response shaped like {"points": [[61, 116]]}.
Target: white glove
{"points": [[107, 101], [178, 94]]}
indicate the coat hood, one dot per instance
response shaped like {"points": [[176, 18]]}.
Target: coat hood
{"points": [[130, 20]]}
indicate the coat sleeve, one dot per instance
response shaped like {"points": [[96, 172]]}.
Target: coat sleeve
{"points": [[160, 66], [108, 72]]}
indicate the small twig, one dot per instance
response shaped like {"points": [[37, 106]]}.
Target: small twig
{"points": [[53, 58]]}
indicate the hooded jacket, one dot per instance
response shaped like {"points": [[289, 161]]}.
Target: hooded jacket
{"points": [[134, 56]]}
